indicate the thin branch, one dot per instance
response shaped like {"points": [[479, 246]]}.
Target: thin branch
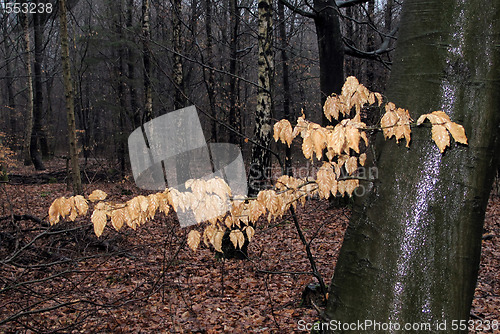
{"points": [[285, 272], [25, 217], [297, 10], [351, 50], [315, 271], [349, 3]]}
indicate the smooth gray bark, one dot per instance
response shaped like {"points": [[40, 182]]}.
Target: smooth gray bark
{"points": [[412, 249]]}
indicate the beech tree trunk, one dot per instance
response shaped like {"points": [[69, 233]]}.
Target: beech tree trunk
{"points": [[261, 158], [412, 249], [70, 103]]}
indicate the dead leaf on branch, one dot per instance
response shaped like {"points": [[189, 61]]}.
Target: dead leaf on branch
{"points": [[250, 232], [332, 107], [237, 238], [440, 124], [283, 131], [396, 122], [217, 240], [301, 127], [118, 218], [193, 239], [351, 165], [99, 219], [97, 195], [362, 159], [209, 234], [440, 137], [326, 180]]}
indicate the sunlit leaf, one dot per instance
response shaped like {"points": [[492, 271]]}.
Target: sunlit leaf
{"points": [[193, 239], [97, 195]]}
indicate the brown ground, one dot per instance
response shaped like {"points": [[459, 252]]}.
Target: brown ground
{"points": [[65, 279]]}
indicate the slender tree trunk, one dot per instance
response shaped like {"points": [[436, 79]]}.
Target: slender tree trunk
{"points": [[146, 33], [121, 84], [131, 57], [286, 81], [29, 72], [234, 103], [181, 164], [261, 158], [412, 249], [70, 104], [211, 75], [349, 35], [36, 134], [370, 46], [11, 101], [388, 15], [178, 73]]}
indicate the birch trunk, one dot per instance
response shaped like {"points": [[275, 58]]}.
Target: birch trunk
{"points": [[261, 158]]}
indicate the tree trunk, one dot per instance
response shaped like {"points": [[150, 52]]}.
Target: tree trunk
{"points": [[388, 15], [121, 84], [11, 101], [412, 249], [36, 134], [234, 98], [181, 163], [286, 81], [146, 33], [210, 82], [234, 103], [370, 46], [261, 158], [70, 104], [178, 73], [29, 72], [330, 48], [131, 57]]}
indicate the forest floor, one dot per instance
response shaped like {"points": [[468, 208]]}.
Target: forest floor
{"points": [[64, 279]]}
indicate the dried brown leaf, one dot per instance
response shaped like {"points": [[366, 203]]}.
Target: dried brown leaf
{"points": [[97, 195]]}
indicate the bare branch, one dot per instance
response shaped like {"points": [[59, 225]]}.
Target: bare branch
{"points": [[351, 50], [297, 10], [349, 3]]}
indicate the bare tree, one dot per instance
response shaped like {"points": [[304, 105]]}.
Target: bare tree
{"points": [[70, 103], [29, 117]]}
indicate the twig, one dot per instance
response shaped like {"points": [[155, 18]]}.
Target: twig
{"points": [[271, 303], [315, 271]]}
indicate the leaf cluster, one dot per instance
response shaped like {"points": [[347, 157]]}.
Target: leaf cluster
{"points": [[211, 201]]}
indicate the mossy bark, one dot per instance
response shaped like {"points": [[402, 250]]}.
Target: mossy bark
{"points": [[412, 249]]}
